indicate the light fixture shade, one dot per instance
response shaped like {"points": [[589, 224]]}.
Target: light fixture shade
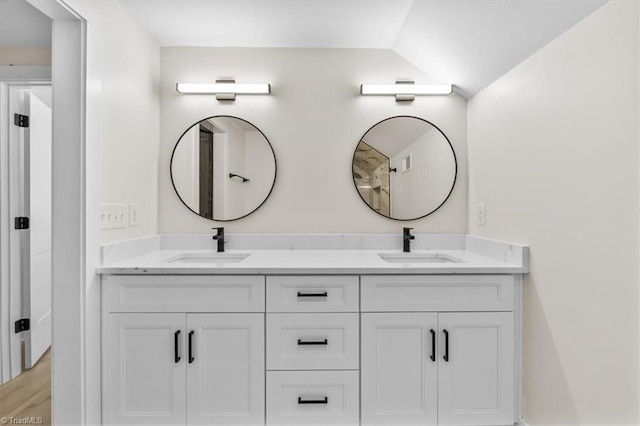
{"points": [[231, 88], [406, 89]]}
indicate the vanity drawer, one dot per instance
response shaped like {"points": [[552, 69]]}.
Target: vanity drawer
{"points": [[313, 342], [185, 293], [387, 293], [312, 398], [313, 293]]}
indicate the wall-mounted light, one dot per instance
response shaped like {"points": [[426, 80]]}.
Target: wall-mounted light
{"points": [[225, 90], [406, 90]]}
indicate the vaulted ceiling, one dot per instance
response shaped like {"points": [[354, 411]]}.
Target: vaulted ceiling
{"points": [[469, 43], [472, 43], [272, 23]]}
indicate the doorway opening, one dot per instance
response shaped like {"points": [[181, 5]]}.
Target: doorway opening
{"points": [[75, 385], [27, 224]]}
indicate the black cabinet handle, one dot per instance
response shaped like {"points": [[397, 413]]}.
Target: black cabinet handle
{"points": [[176, 344], [433, 345], [446, 345], [313, 342], [323, 294], [313, 401], [191, 358]]}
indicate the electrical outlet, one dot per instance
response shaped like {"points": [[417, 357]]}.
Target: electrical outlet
{"points": [[482, 214], [134, 215], [114, 216]]}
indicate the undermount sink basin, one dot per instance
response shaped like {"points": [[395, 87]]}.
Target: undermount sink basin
{"points": [[209, 258], [417, 258]]}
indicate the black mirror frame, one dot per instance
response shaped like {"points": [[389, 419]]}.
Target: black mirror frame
{"points": [[275, 168], [455, 160]]}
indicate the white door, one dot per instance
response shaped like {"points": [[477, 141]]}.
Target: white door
{"points": [[225, 373], [37, 262], [399, 368], [145, 369], [476, 369]]}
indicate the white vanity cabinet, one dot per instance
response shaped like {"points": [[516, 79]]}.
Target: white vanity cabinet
{"points": [[145, 380], [225, 369], [392, 349], [450, 363], [184, 367], [399, 381], [313, 350], [476, 380]]}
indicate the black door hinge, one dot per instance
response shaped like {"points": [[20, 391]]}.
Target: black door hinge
{"points": [[21, 120], [22, 324], [22, 223]]}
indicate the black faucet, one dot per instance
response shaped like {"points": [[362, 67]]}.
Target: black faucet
{"points": [[406, 239], [219, 237]]}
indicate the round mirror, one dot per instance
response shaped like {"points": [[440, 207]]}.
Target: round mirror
{"points": [[404, 168], [223, 168]]}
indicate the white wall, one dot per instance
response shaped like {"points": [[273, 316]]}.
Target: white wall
{"points": [[220, 181], [427, 185], [234, 140], [553, 152], [185, 168], [257, 166], [27, 56], [314, 120], [130, 121], [121, 152]]}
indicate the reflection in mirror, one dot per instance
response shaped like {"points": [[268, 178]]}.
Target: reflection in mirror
{"points": [[223, 168], [404, 168]]}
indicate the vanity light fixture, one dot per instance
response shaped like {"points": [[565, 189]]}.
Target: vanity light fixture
{"points": [[225, 90], [406, 90]]}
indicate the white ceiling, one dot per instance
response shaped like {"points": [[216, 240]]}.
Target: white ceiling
{"points": [[272, 23], [469, 43], [22, 25]]}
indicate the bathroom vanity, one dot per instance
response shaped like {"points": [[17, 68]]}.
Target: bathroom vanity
{"points": [[334, 335]]}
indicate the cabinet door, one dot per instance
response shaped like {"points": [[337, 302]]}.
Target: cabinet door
{"points": [[225, 373], [476, 383], [398, 375], [145, 372]]}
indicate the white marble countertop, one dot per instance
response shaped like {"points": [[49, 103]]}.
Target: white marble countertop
{"points": [[280, 262]]}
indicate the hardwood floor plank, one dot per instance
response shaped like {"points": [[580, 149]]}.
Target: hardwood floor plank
{"points": [[29, 394]]}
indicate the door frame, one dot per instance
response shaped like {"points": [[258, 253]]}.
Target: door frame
{"points": [[70, 398], [11, 244]]}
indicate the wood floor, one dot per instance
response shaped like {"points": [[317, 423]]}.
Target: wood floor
{"points": [[28, 395]]}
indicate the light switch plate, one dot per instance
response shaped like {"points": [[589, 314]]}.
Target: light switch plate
{"points": [[134, 215], [482, 214], [114, 216]]}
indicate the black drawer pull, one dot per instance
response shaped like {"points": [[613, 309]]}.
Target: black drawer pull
{"points": [[191, 358], [446, 345], [323, 294], [433, 345], [313, 401], [313, 342], [176, 343]]}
